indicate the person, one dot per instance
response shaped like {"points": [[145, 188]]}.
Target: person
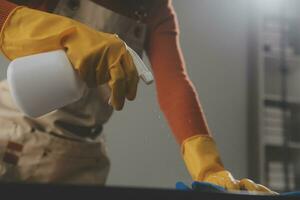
{"points": [[66, 146]]}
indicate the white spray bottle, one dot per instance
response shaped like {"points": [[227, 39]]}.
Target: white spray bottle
{"points": [[44, 82]]}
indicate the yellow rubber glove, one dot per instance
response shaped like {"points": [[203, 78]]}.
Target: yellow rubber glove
{"points": [[204, 164], [99, 57]]}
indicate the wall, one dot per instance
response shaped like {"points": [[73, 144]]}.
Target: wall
{"points": [[142, 149]]}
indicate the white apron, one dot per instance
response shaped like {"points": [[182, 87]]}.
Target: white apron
{"points": [[64, 146]]}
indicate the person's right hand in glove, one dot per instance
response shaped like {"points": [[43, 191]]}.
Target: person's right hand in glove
{"points": [[98, 57]]}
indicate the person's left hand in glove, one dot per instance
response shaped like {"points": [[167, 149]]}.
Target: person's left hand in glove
{"points": [[204, 164]]}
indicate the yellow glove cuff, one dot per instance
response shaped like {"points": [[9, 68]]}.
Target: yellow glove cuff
{"points": [[28, 31], [6, 23], [201, 156]]}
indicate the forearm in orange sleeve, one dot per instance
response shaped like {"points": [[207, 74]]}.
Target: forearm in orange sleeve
{"points": [[176, 94], [6, 8]]}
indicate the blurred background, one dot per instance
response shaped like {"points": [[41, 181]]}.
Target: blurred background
{"points": [[243, 58]]}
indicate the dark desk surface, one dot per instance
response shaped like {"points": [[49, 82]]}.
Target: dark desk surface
{"points": [[66, 192]]}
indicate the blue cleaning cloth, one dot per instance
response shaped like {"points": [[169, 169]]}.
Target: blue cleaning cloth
{"points": [[200, 186], [209, 187]]}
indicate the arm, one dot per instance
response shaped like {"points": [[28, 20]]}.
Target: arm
{"points": [[6, 8], [98, 57], [176, 94], [180, 104]]}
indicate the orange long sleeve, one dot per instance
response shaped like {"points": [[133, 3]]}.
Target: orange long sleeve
{"points": [[176, 94], [5, 8]]}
